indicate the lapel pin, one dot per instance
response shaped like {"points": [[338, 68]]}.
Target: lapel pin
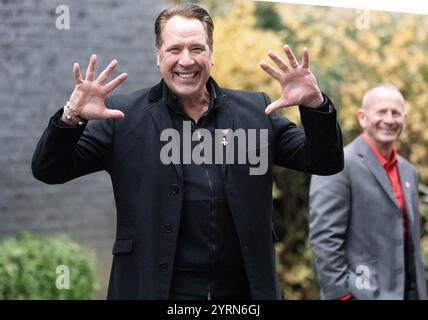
{"points": [[225, 132], [224, 142], [407, 183]]}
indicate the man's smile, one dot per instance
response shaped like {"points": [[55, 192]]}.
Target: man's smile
{"points": [[186, 75]]}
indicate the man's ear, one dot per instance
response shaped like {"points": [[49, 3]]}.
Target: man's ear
{"points": [[405, 120], [157, 57], [362, 118]]}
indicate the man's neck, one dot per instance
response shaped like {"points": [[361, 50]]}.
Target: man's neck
{"points": [[194, 107], [385, 149]]}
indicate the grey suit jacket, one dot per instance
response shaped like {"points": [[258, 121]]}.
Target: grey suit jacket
{"points": [[356, 228]]}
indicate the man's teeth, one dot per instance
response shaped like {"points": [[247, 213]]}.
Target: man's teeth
{"points": [[186, 75]]}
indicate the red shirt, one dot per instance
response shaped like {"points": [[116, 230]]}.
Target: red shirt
{"points": [[391, 170]]}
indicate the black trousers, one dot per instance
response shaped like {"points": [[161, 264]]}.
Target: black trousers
{"points": [[410, 290]]}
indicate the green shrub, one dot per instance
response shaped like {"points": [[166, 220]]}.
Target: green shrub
{"points": [[30, 268]]}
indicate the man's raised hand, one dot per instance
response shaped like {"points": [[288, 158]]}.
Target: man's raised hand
{"points": [[88, 97], [298, 84]]}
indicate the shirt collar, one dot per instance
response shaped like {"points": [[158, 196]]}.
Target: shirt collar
{"points": [[384, 162]]}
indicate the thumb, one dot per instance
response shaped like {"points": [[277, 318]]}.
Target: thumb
{"points": [[280, 103], [113, 114]]}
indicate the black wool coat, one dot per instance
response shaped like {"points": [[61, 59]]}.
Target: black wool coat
{"points": [[149, 194]]}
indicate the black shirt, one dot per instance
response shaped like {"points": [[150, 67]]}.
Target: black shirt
{"points": [[208, 260]]}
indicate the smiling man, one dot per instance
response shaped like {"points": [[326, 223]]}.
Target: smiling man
{"points": [[364, 226], [185, 59], [191, 229]]}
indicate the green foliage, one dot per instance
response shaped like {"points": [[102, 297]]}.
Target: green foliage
{"points": [[424, 232], [268, 17], [294, 266], [28, 268], [294, 255]]}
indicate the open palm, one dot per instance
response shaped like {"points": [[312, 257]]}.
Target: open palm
{"points": [[298, 84], [88, 97]]}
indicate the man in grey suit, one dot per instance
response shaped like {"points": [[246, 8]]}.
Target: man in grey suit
{"points": [[364, 221]]}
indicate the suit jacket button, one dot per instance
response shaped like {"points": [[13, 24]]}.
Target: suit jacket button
{"points": [[398, 242], [175, 189], [399, 271], [163, 267], [167, 228]]}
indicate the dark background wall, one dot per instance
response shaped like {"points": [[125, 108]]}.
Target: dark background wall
{"points": [[36, 61]]}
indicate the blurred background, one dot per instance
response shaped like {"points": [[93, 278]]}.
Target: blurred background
{"points": [[350, 51]]}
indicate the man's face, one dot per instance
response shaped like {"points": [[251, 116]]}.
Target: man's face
{"points": [[383, 116], [184, 58]]}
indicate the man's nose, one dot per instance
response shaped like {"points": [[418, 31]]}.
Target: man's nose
{"points": [[388, 117], [186, 58]]}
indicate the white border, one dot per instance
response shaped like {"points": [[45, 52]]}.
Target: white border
{"points": [[408, 6]]}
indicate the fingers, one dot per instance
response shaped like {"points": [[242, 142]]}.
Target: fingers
{"points": [[90, 71], [271, 71], [113, 84], [107, 72], [305, 59], [278, 61], [291, 58], [280, 103], [76, 73], [113, 114]]}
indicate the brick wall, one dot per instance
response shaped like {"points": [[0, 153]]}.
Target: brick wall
{"points": [[36, 79]]}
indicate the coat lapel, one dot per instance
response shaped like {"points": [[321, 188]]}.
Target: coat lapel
{"points": [[372, 163], [160, 114], [225, 122], [406, 184]]}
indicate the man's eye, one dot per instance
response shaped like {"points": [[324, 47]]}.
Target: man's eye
{"points": [[197, 50], [174, 50]]}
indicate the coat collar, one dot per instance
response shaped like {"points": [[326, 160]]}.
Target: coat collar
{"points": [[372, 163], [406, 184]]}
